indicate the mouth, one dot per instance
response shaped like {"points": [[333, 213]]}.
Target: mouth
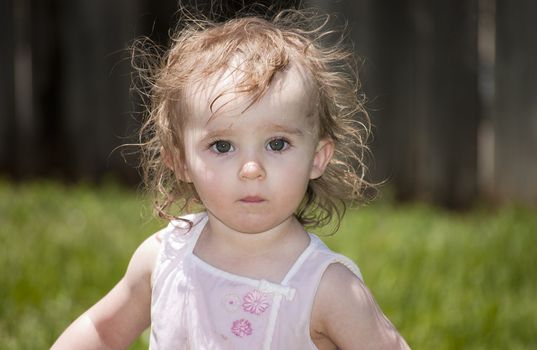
{"points": [[252, 199]]}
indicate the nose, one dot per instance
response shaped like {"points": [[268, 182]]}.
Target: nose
{"points": [[251, 171]]}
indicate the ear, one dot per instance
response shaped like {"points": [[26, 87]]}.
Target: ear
{"points": [[182, 172], [323, 154]]}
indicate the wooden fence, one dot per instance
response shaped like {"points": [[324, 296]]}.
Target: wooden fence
{"points": [[452, 86]]}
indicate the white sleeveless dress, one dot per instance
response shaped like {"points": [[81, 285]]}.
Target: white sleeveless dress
{"points": [[198, 306]]}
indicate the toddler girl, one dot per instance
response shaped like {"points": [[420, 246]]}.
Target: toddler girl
{"points": [[253, 125]]}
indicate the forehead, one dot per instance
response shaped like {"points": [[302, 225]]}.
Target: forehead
{"points": [[223, 94]]}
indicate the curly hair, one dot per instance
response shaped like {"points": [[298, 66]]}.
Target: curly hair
{"points": [[265, 46]]}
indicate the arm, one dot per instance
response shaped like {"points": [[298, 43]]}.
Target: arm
{"points": [[345, 313], [118, 318]]}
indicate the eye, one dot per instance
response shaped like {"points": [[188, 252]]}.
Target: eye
{"points": [[278, 145], [221, 146]]}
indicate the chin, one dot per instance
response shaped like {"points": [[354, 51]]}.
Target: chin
{"points": [[253, 227], [254, 223]]}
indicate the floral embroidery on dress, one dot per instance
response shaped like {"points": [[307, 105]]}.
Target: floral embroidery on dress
{"points": [[241, 327], [255, 302], [231, 302]]}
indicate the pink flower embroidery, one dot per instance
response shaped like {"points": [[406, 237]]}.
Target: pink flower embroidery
{"points": [[241, 327], [255, 302]]}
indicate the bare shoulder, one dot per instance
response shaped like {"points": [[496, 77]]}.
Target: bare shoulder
{"points": [[346, 313], [143, 260]]}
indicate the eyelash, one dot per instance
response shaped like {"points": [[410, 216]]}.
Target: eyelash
{"points": [[213, 147], [286, 145]]}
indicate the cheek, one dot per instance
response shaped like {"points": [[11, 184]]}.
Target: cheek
{"points": [[206, 175], [294, 169], [293, 177], [201, 173]]}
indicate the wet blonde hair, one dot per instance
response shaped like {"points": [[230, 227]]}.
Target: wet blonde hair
{"points": [[265, 47]]}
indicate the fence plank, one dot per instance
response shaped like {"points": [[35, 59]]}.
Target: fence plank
{"points": [[25, 124], [515, 114], [442, 166], [7, 81]]}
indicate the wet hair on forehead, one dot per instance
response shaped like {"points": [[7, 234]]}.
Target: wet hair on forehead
{"points": [[251, 51], [256, 52], [218, 93]]}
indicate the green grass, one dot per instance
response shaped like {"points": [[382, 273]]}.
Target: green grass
{"points": [[446, 280]]}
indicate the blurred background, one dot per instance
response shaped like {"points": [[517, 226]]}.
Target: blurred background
{"points": [[451, 85], [452, 94]]}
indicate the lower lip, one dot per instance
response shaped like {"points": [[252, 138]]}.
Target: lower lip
{"points": [[252, 200]]}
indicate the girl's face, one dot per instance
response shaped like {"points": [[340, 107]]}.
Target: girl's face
{"points": [[251, 169]]}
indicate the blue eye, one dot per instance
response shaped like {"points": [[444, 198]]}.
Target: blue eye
{"points": [[278, 145], [221, 146]]}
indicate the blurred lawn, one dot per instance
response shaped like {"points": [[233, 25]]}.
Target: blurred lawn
{"points": [[446, 280]]}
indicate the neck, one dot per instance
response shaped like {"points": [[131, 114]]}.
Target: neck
{"points": [[239, 244]]}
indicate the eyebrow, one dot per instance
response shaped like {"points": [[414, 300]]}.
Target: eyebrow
{"points": [[217, 134], [270, 128], [284, 129]]}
